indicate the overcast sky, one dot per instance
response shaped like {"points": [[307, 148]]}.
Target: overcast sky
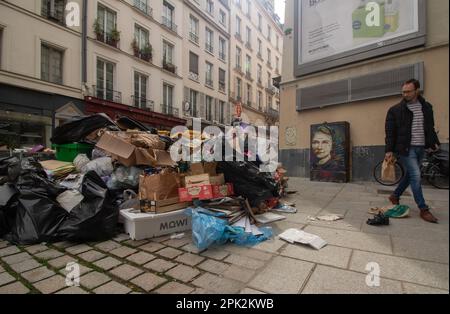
{"points": [[279, 9]]}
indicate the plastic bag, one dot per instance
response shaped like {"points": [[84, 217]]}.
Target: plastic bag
{"points": [[238, 236], [124, 178], [80, 161], [131, 200], [102, 166], [95, 218]]}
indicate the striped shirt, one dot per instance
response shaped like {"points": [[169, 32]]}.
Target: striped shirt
{"points": [[417, 128]]}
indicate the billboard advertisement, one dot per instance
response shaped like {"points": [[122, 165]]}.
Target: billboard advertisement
{"points": [[330, 33]]}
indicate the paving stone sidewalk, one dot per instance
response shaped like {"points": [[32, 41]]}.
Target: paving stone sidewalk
{"points": [[412, 255]]}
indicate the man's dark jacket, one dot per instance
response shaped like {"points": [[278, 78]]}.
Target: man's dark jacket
{"points": [[398, 127]]}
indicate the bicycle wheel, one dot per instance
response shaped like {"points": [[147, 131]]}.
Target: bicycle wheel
{"points": [[399, 173], [436, 178]]}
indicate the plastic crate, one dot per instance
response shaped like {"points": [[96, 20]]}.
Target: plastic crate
{"points": [[68, 152]]}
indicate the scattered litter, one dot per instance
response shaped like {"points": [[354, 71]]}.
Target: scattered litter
{"points": [[177, 236], [283, 208], [268, 218], [298, 236], [329, 217]]}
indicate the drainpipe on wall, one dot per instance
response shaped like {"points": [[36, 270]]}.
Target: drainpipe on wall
{"points": [[84, 49]]}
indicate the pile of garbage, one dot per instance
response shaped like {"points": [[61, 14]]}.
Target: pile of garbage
{"points": [[106, 171]]}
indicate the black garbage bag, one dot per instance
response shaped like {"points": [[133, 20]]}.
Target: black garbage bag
{"points": [[9, 169], [8, 205], [126, 123], [77, 130], [96, 217], [37, 219], [249, 182]]}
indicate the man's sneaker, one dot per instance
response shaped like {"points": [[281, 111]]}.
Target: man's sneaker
{"points": [[379, 220], [394, 200], [426, 215]]}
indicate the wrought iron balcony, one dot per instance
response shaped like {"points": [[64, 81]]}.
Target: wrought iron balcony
{"points": [[222, 87], [169, 24], [169, 67], [222, 55], [209, 48], [209, 82], [108, 38], [169, 110], [106, 94], [142, 103], [144, 8], [193, 37]]}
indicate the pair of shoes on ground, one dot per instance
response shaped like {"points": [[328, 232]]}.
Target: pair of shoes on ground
{"points": [[379, 220], [425, 213]]}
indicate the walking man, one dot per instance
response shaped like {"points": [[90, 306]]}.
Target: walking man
{"points": [[409, 133]]}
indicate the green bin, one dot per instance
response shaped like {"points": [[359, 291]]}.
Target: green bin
{"points": [[68, 152]]}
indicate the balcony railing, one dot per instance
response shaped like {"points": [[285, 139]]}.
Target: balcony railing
{"points": [[193, 37], [142, 103], [222, 87], [144, 54], [169, 110], [108, 38], [272, 113], [222, 55], [144, 8], [209, 48], [53, 15], [106, 94], [169, 24], [209, 82], [271, 89], [169, 67], [193, 76]]}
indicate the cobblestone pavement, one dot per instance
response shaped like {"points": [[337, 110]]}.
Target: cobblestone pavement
{"points": [[412, 255]]}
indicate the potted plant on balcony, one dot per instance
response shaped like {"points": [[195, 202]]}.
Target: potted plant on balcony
{"points": [[146, 52], [115, 37], [135, 46], [168, 66], [98, 30]]}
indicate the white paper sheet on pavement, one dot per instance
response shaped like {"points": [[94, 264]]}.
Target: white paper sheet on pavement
{"points": [[298, 236]]}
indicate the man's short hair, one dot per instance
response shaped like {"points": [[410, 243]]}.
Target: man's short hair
{"points": [[415, 82]]}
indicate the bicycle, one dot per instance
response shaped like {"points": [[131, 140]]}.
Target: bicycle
{"points": [[434, 168]]}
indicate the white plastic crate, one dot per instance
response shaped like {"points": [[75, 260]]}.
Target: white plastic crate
{"points": [[144, 226]]}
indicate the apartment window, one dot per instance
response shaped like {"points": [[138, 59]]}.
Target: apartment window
{"points": [[167, 107], [249, 36], [269, 33], [238, 25], [193, 64], [277, 63], [249, 94], [221, 112], [209, 74], [222, 48], [278, 42], [260, 100], [105, 80], [248, 65], [249, 7], [269, 101], [193, 99], [168, 15], [209, 106], [210, 7], [141, 37], [106, 22], [222, 80], [54, 10], [260, 47], [269, 57], [259, 74], [269, 80], [222, 18], [167, 52], [238, 3], [238, 57], [143, 6], [140, 90], [51, 64], [259, 21], [209, 44], [238, 88], [193, 29]]}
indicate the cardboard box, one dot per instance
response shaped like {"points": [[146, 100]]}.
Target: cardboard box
{"points": [[203, 179], [164, 206], [118, 145], [158, 187], [203, 167], [205, 192], [142, 226]]}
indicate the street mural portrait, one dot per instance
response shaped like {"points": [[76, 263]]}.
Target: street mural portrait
{"points": [[329, 157]]}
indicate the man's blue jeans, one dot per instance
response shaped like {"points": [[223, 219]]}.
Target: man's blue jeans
{"points": [[412, 176]]}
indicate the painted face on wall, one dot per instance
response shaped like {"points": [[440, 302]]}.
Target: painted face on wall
{"points": [[322, 144]]}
